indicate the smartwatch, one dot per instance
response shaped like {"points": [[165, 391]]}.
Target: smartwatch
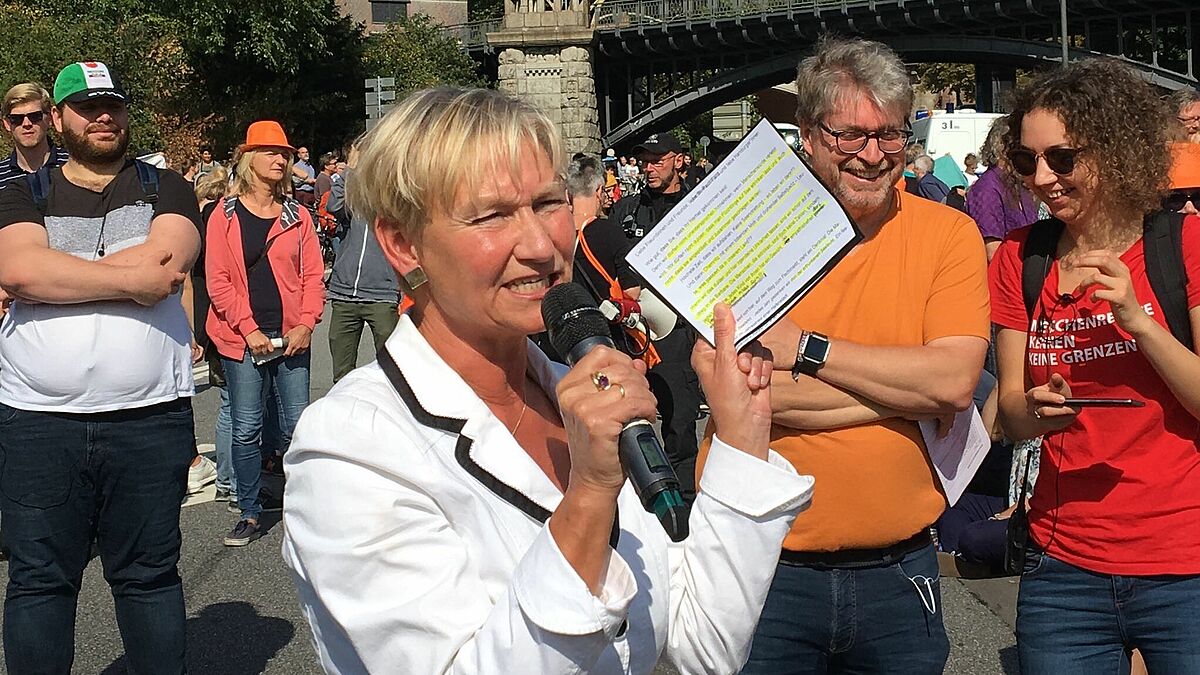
{"points": [[810, 354]]}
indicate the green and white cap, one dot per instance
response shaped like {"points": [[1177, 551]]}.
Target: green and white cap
{"points": [[86, 80]]}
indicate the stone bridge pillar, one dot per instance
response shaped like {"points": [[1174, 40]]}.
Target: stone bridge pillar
{"points": [[546, 56]]}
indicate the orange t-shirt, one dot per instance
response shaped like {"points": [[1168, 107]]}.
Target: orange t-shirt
{"points": [[923, 276]]}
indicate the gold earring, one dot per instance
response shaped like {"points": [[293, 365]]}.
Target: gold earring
{"points": [[416, 278]]}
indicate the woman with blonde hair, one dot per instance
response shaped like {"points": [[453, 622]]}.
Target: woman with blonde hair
{"points": [[459, 505], [264, 273]]}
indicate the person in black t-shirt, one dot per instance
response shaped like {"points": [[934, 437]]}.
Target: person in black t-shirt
{"points": [[673, 381], [96, 428]]}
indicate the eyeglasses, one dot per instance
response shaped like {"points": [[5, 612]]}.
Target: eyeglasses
{"points": [[1177, 199], [1059, 160], [18, 119], [852, 141]]}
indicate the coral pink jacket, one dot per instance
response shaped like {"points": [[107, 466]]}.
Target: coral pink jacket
{"points": [[295, 260]]}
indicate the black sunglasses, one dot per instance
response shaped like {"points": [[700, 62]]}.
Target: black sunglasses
{"points": [[18, 119], [1177, 199], [1059, 160]]}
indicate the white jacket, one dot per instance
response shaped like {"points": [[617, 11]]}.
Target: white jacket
{"points": [[415, 535]]}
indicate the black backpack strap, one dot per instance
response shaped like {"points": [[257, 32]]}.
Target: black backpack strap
{"points": [[39, 187], [148, 177], [1039, 252], [1162, 241]]}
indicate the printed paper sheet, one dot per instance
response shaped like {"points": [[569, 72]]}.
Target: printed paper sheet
{"points": [[757, 233]]}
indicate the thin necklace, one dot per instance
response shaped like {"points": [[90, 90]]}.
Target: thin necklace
{"points": [[524, 407], [107, 201]]}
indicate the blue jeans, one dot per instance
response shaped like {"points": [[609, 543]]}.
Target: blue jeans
{"points": [[116, 478], [873, 620], [1071, 621], [224, 442], [286, 379], [226, 479]]}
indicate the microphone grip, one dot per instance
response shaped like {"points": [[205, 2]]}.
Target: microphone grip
{"points": [[644, 461], [586, 345], [653, 478]]}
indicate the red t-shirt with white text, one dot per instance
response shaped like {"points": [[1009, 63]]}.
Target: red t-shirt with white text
{"points": [[1119, 490]]}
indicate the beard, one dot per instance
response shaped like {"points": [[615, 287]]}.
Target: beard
{"points": [[81, 149], [862, 201]]}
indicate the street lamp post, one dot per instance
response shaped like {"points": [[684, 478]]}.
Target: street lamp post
{"points": [[1062, 17]]}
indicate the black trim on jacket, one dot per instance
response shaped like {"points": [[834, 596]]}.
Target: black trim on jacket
{"points": [[462, 449]]}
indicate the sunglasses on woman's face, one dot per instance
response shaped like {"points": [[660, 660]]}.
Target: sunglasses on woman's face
{"points": [[18, 119], [1177, 199], [1059, 160]]}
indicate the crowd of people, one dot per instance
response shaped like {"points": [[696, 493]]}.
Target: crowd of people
{"points": [[459, 504]]}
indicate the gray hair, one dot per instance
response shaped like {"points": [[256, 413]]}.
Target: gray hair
{"points": [[924, 164], [838, 64], [585, 175], [993, 145], [1184, 97]]}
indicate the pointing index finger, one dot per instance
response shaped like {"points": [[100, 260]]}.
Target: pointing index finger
{"points": [[724, 327]]}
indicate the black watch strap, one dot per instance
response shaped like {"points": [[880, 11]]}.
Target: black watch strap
{"points": [[811, 353]]}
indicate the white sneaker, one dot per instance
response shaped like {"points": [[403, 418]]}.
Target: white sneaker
{"points": [[201, 474]]}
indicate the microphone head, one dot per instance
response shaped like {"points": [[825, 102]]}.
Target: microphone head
{"points": [[571, 317]]}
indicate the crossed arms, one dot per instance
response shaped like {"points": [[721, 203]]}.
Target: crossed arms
{"points": [[860, 384], [147, 273]]}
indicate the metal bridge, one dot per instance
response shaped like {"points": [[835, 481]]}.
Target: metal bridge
{"points": [[661, 62]]}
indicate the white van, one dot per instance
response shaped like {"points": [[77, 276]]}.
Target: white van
{"points": [[956, 134], [790, 133]]}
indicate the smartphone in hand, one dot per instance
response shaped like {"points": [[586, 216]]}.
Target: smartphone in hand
{"points": [[278, 345], [1103, 403]]}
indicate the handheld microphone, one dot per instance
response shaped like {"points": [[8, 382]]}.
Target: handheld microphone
{"points": [[576, 327]]}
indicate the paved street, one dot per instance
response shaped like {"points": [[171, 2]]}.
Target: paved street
{"points": [[243, 615]]}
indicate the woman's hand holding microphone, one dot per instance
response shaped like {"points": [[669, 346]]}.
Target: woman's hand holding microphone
{"points": [[602, 393]]}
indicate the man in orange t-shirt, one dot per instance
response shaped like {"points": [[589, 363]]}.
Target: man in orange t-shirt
{"points": [[896, 332]]}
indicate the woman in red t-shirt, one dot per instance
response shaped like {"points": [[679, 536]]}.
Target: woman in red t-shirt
{"points": [[1113, 560]]}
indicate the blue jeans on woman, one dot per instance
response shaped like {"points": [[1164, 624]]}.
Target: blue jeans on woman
{"points": [[1074, 622], [116, 478], [286, 379], [226, 479]]}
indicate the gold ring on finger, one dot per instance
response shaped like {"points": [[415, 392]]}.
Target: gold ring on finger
{"points": [[1036, 413], [621, 388]]}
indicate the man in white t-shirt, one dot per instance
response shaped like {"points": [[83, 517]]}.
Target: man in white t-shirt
{"points": [[96, 430]]}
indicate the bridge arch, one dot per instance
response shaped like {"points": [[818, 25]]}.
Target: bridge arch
{"points": [[730, 85]]}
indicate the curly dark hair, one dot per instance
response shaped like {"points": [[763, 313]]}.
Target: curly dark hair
{"points": [[1116, 116]]}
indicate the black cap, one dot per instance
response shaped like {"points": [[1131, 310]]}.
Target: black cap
{"points": [[659, 144]]}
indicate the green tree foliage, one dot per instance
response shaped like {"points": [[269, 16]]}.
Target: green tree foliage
{"points": [[143, 50], [295, 61], [419, 55], [230, 62], [958, 78], [203, 70], [481, 10]]}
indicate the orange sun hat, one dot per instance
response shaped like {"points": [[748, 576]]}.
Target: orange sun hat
{"points": [[1185, 166], [265, 134]]}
